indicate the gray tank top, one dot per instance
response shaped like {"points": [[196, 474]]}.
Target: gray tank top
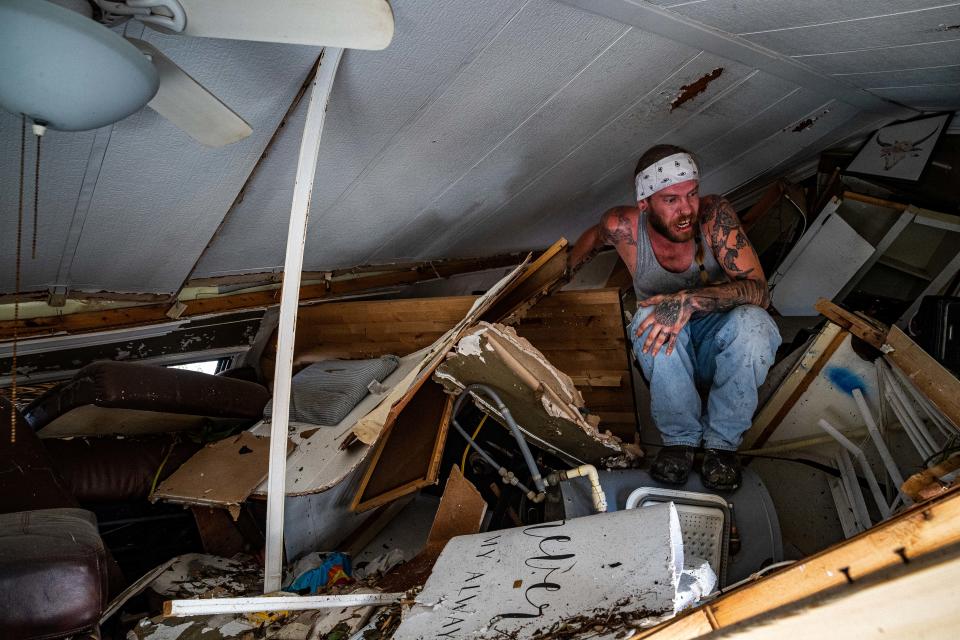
{"points": [[651, 279]]}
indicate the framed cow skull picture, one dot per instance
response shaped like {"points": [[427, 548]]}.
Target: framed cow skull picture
{"points": [[900, 150]]}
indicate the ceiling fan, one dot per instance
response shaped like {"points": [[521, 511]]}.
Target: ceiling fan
{"points": [[65, 70]]}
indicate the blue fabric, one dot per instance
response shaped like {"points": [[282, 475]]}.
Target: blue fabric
{"points": [[728, 352]]}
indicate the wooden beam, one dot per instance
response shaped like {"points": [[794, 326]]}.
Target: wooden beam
{"points": [[878, 202], [544, 275], [104, 320], [923, 529], [928, 375], [867, 329]]}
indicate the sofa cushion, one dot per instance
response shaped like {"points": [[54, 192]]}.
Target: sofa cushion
{"points": [[53, 576], [129, 398], [28, 479]]}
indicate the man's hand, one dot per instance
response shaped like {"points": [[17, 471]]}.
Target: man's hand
{"points": [[670, 314]]}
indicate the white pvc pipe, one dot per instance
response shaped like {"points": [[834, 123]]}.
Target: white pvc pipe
{"points": [[857, 452], [912, 414], [289, 299], [590, 472], [888, 462], [214, 606], [918, 442], [851, 487]]}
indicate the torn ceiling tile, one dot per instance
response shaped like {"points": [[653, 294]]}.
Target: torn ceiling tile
{"points": [[543, 399], [690, 91]]}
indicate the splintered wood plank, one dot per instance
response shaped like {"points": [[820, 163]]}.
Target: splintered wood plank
{"points": [[923, 529], [221, 474], [407, 455], [157, 313], [544, 275]]}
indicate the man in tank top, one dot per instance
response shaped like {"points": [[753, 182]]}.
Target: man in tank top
{"points": [[701, 319]]}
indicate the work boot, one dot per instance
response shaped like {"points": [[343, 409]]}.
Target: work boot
{"points": [[673, 464], [720, 470]]}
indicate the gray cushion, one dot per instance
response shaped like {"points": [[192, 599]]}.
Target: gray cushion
{"points": [[325, 392]]}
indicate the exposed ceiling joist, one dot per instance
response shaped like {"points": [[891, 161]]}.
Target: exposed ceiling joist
{"points": [[669, 24]]}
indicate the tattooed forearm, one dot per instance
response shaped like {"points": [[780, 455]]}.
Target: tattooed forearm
{"points": [[723, 297]]}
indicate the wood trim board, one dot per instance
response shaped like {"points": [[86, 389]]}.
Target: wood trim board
{"points": [[923, 529], [789, 392]]}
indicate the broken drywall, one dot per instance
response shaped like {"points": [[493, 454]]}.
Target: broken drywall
{"points": [[543, 399], [522, 582]]}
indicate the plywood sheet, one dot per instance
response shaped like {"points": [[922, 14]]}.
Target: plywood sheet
{"points": [[407, 455], [582, 334], [221, 474], [542, 399]]}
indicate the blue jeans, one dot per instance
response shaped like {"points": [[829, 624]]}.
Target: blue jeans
{"points": [[731, 352]]}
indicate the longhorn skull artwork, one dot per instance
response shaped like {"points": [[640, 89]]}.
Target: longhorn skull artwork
{"points": [[893, 152]]}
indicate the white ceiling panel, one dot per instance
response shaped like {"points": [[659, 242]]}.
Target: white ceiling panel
{"points": [[527, 62], [909, 56], [618, 143], [748, 16], [377, 97], [915, 27], [484, 127], [592, 98], [736, 113]]}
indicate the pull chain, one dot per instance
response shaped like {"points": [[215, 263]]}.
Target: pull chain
{"points": [[16, 295], [36, 197]]}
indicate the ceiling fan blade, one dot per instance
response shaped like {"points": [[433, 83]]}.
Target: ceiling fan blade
{"points": [[349, 24], [187, 104]]}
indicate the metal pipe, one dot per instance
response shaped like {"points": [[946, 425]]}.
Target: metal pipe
{"points": [[535, 474], [864, 466], [888, 462], [505, 474]]}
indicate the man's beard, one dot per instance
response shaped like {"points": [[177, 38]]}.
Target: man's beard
{"points": [[669, 231]]}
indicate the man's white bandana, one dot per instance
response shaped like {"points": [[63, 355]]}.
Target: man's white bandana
{"points": [[674, 169]]}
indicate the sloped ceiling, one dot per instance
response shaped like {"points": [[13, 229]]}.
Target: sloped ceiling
{"points": [[485, 127]]}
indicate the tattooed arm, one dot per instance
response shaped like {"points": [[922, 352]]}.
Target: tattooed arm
{"points": [[617, 228], [735, 254]]}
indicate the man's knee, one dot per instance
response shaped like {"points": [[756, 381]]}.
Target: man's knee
{"points": [[752, 323]]}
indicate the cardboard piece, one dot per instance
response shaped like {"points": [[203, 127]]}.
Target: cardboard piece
{"points": [[221, 474], [460, 513], [543, 400], [588, 572]]}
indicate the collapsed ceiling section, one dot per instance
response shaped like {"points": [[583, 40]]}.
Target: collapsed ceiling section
{"points": [[484, 128]]}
